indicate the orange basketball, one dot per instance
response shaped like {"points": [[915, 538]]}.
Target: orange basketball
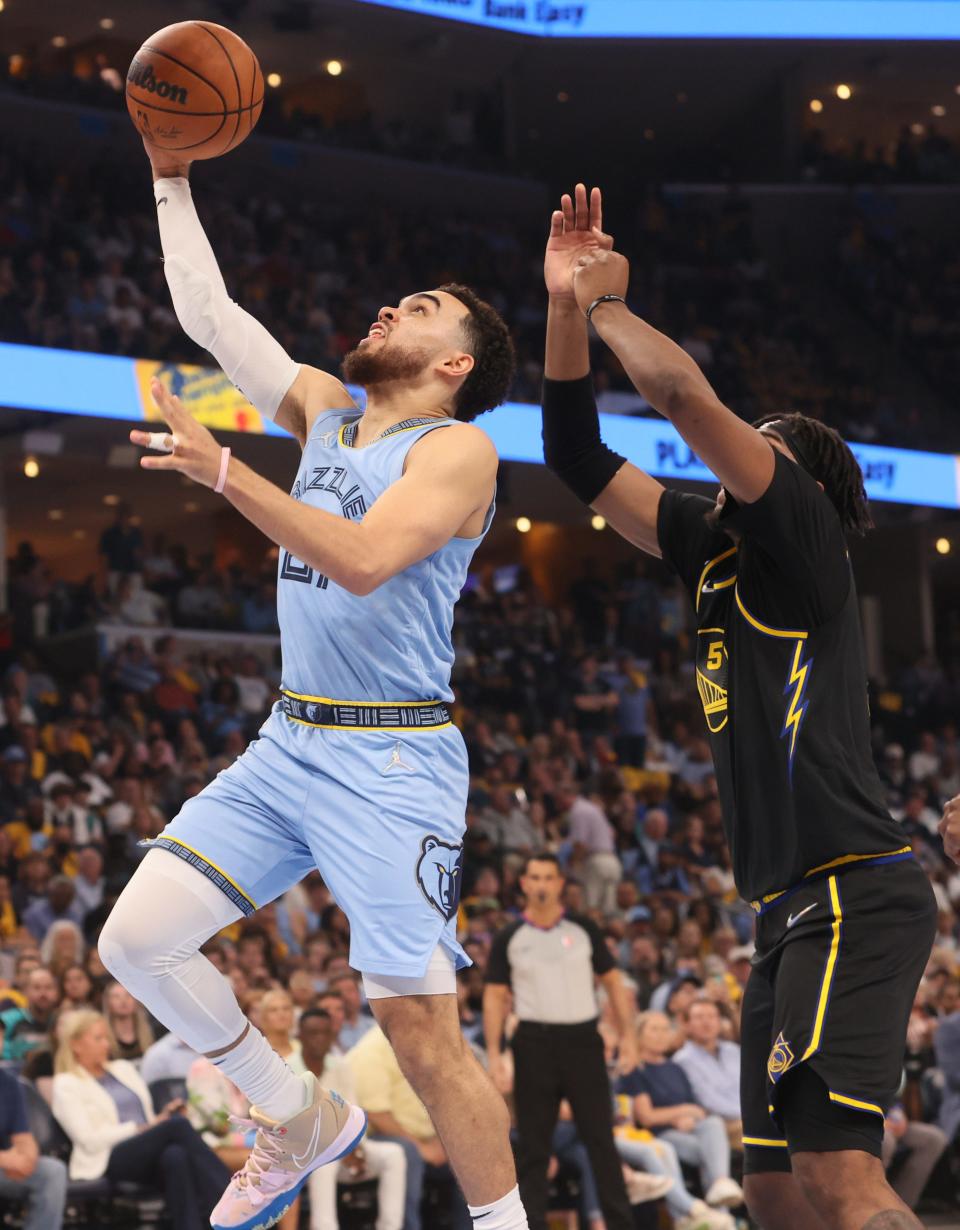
{"points": [[195, 88]]}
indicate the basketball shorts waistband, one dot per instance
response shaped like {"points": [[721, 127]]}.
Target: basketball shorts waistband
{"points": [[846, 863], [325, 713]]}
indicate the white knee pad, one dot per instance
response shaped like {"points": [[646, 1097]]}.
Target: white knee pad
{"points": [[440, 979], [167, 910], [151, 944]]}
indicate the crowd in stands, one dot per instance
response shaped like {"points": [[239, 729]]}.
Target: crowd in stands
{"points": [[80, 269], [905, 279], [578, 745], [143, 584], [922, 154], [468, 132]]}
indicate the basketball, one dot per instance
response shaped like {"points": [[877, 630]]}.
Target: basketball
{"points": [[196, 89]]}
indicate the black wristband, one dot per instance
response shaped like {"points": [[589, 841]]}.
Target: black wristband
{"points": [[602, 299], [572, 447]]}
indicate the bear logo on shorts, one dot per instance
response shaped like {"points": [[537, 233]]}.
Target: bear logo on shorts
{"points": [[439, 872]]}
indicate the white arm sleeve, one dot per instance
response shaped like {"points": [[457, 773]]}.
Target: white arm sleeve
{"points": [[253, 360]]}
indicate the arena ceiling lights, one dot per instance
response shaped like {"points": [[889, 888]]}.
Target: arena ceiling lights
{"points": [[829, 19]]}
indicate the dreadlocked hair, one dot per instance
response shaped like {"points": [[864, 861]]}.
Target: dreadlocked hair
{"points": [[833, 464], [488, 340]]}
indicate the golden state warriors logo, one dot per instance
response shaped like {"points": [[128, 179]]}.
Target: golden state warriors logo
{"points": [[781, 1057], [712, 670]]}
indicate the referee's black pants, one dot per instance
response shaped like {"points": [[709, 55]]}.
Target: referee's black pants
{"points": [[552, 1062]]}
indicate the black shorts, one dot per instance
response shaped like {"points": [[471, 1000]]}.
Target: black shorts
{"points": [[838, 962]]}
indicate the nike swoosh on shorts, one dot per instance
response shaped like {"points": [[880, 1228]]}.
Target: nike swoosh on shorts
{"points": [[793, 918]]}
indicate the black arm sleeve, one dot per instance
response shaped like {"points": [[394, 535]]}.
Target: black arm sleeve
{"points": [[572, 447], [498, 962], [603, 962]]}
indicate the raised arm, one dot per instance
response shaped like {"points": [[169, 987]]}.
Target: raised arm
{"points": [[281, 389], [671, 381], [626, 496]]}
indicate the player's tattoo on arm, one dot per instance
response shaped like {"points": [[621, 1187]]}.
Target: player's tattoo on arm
{"points": [[892, 1219]]}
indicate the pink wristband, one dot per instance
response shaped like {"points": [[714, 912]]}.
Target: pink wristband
{"points": [[222, 476]]}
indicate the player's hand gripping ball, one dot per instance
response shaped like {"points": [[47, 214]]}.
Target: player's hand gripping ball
{"points": [[195, 89]]}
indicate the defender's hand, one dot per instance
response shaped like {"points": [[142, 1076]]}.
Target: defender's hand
{"points": [[599, 273], [576, 227], [950, 829], [190, 449]]}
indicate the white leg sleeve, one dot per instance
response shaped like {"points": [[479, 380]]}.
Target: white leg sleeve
{"points": [[253, 360], [151, 944]]}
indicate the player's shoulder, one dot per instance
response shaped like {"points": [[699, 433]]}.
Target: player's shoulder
{"points": [[465, 443], [685, 507]]}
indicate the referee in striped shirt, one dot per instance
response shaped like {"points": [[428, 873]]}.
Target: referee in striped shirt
{"points": [[549, 960]]}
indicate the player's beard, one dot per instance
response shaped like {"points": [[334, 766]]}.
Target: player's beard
{"points": [[368, 365]]}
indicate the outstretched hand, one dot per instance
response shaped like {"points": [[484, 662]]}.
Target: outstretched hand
{"points": [[575, 228], [188, 447]]}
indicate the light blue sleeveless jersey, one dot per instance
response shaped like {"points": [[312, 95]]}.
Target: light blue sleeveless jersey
{"points": [[395, 643], [380, 812]]}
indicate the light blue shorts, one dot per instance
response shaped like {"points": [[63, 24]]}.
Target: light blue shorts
{"points": [[380, 814]]}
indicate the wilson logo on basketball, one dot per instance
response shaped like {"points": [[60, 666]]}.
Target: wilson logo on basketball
{"points": [[144, 78]]}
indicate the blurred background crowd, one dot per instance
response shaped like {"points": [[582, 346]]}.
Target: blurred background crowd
{"points": [[578, 716], [788, 209], [80, 269]]}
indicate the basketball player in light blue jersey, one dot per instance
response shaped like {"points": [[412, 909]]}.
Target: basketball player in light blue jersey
{"points": [[358, 771]]}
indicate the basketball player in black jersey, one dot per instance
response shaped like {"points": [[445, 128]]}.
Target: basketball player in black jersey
{"points": [[845, 916]]}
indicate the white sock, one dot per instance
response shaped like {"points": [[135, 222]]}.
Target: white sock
{"points": [[270, 1084], [504, 1214]]}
